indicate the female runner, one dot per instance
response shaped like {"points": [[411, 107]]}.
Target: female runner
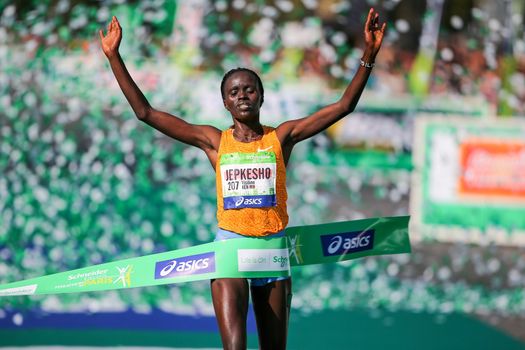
{"points": [[249, 158]]}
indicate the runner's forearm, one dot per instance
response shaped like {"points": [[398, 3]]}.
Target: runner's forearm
{"points": [[135, 97], [357, 85]]}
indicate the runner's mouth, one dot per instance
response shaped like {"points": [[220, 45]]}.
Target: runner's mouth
{"points": [[244, 106]]}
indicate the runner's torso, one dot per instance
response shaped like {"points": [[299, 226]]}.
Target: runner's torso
{"points": [[251, 185]]}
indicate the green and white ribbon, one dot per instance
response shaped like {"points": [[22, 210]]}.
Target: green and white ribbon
{"points": [[243, 257]]}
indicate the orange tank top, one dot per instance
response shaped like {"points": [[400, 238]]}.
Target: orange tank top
{"points": [[251, 185]]}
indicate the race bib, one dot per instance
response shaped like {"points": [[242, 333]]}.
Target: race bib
{"points": [[248, 180]]}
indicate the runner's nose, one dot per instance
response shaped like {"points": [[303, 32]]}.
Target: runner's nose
{"points": [[243, 95]]}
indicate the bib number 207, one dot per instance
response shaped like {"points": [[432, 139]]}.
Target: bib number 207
{"points": [[233, 185]]}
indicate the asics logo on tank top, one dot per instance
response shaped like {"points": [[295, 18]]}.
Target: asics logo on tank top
{"points": [[239, 201], [248, 201]]}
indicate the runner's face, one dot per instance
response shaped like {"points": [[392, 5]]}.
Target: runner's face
{"points": [[242, 97]]}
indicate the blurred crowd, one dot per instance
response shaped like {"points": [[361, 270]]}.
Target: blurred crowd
{"points": [[83, 182], [478, 51]]}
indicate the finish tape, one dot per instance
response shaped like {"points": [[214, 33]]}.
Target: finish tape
{"points": [[233, 258]]}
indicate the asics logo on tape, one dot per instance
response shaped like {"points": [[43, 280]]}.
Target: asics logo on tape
{"points": [[183, 266], [334, 245], [168, 268], [186, 265], [347, 242]]}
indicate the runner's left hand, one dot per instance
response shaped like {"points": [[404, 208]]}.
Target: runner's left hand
{"points": [[374, 31]]}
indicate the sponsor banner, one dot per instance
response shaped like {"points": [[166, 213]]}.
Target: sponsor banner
{"points": [[233, 258], [185, 266], [263, 260], [236, 202], [347, 242], [492, 168], [261, 157], [469, 180]]}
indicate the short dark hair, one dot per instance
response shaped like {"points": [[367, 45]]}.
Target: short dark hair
{"points": [[241, 69]]}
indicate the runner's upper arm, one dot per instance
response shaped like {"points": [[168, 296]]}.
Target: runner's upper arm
{"points": [[205, 137], [294, 131]]}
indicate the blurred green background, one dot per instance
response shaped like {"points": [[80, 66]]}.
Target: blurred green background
{"points": [[83, 182]]}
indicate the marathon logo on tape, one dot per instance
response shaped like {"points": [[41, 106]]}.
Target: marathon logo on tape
{"points": [[263, 260], [186, 266], [347, 242]]}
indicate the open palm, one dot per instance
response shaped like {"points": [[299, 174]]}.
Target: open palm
{"points": [[374, 32], [111, 41]]}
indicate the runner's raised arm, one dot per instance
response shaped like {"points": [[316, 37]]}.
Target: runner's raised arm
{"points": [[293, 131], [203, 136]]}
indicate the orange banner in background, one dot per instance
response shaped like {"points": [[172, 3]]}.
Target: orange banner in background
{"points": [[492, 167]]}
